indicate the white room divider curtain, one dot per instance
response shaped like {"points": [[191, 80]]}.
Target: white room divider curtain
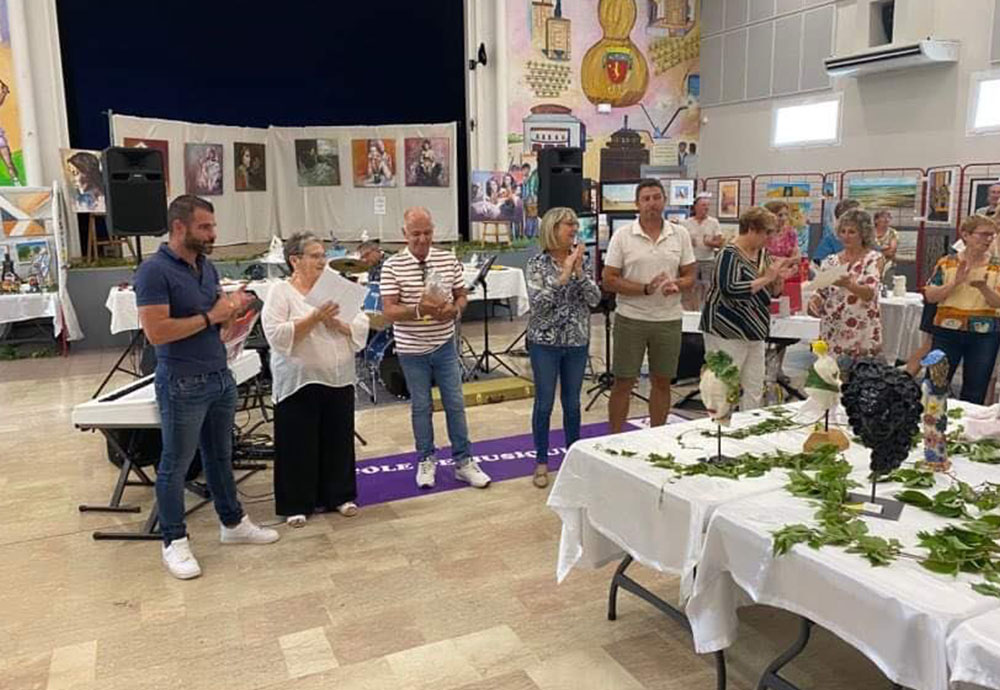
{"points": [[344, 211]]}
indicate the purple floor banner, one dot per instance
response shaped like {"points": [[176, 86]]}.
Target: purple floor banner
{"points": [[392, 478]]}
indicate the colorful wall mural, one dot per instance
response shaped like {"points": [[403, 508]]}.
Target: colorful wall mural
{"points": [[11, 157], [636, 59]]}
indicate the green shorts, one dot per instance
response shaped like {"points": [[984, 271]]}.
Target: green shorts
{"points": [[633, 338]]}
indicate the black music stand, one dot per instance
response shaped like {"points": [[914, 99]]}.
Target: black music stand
{"points": [[483, 360], [133, 352], [605, 380]]}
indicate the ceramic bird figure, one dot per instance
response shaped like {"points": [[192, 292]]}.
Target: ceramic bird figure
{"points": [[719, 386], [823, 379]]}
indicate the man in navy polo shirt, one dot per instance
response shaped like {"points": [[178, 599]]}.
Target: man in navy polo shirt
{"points": [[181, 307]]}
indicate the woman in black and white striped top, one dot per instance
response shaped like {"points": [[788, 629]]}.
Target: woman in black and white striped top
{"points": [[736, 317]]}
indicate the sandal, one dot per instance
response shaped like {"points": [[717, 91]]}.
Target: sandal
{"points": [[349, 509], [541, 478], [296, 521]]}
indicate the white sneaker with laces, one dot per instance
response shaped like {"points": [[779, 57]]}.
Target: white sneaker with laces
{"points": [[426, 471], [247, 533], [180, 561], [470, 473]]}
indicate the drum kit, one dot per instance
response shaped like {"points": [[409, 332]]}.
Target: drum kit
{"points": [[378, 361]]}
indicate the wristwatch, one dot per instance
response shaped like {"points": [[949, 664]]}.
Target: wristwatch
{"points": [[208, 321], [645, 289]]}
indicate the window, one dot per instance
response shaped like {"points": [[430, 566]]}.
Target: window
{"points": [[984, 103], [807, 123]]}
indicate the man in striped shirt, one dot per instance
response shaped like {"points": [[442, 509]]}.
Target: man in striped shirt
{"points": [[423, 293]]}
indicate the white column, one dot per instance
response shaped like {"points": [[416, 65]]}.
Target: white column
{"points": [[498, 56]]}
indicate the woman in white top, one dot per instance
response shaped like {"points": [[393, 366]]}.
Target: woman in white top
{"points": [[312, 366]]}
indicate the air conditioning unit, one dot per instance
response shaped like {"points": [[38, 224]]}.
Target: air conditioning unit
{"points": [[893, 57]]}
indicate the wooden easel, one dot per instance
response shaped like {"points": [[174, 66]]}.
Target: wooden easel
{"points": [[496, 232], [93, 243]]}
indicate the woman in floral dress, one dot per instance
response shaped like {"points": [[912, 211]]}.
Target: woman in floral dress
{"points": [[848, 309]]}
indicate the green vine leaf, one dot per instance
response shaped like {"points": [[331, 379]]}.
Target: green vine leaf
{"points": [[910, 478], [878, 551], [986, 589]]}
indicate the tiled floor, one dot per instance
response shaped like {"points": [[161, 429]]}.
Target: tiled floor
{"points": [[451, 591]]}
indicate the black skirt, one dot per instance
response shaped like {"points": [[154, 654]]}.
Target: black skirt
{"points": [[314, 450]]}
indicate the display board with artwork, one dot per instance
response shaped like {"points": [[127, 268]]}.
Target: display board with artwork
{"points": [[728, 200], [317, 162], [334, 181], [250, 173], [495, 196], [27, 246], [900, 191], [84, 180], [798, 196], [941, 195], [203, 169], [981, 192], [427, 161], [374, 162]]}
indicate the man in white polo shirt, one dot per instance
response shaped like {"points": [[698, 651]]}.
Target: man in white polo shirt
{"points": [[706, 238], [649, 264], [423, 293]]}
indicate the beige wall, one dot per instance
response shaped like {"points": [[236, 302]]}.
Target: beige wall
{"points": [[907, 118]]}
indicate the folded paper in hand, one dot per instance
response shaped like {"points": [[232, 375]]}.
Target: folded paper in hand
{"points": [[332, 287], [827, 277]]}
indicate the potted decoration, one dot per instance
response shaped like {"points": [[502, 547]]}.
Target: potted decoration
{"points": [[823, 387], [720, 391]]}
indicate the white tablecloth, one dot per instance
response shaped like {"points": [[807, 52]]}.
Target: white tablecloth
{"points": [[31, 305], [125, 315], [610, 505], [121, 304], [505, 282], [899, 616], [974, 651], [798, 326], [900, 325]]}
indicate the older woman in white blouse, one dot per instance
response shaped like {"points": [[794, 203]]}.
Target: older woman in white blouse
{"points": [[312, 366]]}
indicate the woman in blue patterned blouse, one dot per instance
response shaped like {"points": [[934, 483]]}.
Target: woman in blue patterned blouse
{"points": [[561, 291]]}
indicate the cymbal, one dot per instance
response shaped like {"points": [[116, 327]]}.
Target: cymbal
{"points": [[377, 321], [348, 264]]}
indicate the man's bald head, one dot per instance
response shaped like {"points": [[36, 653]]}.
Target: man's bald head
{"points": [[418, 229], [417, 216]]}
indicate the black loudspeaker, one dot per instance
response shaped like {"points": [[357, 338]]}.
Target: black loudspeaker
{"points": [[560, 179], [136, 191]]}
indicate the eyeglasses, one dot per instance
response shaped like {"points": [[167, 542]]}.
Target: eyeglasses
{"points": [[985, 235], [423, 271]]}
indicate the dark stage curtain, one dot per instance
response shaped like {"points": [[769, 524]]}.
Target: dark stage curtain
{"points": [[256, 63]]}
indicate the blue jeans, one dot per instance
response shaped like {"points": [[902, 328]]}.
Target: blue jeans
{"points": [[440, 366], [195, 412], [979, 352], [551, 363]]}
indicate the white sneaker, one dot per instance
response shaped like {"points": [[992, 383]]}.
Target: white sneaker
{"points": [[247, 533], [180, 561], [426, 471], [471, 474]]}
